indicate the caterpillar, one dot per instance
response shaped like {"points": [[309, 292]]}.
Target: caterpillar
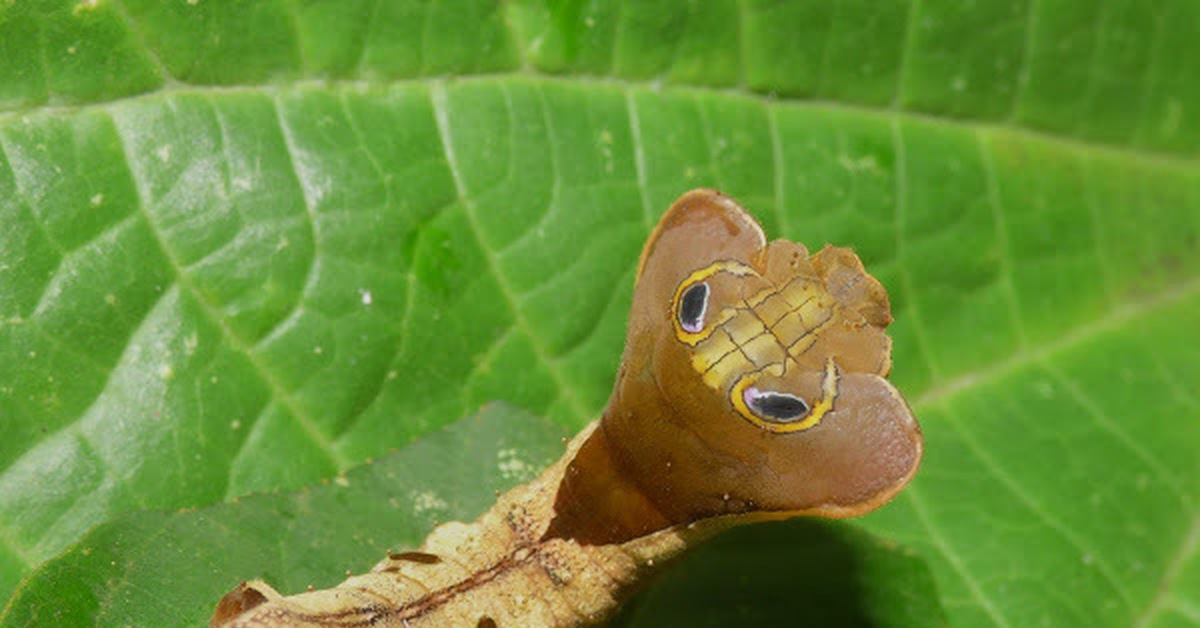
{"points": [[752, 387]]}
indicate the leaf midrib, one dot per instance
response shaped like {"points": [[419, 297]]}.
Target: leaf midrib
{"points": [[1122, 314], [1064, 140]]}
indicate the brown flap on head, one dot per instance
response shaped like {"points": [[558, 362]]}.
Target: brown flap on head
{"points": [[848, 282]]}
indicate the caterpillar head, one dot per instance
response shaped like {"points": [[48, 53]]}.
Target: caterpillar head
{"points": [[753, 379]]}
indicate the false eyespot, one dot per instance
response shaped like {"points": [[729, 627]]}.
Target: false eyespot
{"points": [[752, 387], [774, 406], [691, 299], [692, 306], [782, 412]]}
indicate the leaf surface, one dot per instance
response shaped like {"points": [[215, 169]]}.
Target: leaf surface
{"points": [[244, 250], [303, 538]]}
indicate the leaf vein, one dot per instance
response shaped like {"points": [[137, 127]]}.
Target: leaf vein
{"points": [[1114, 318], [920, 329], [939, 541], [639, 158], [307, 424], [1026, 69], [991, 186], [1188, 548], [1025, 497], [442, 116], [777, 168], [1108, 425]]}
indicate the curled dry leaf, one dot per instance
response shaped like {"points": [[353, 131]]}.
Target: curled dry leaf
{"points": [[752, 387]]}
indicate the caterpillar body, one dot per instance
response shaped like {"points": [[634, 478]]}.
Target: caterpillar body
{"points": [[752, 387]]}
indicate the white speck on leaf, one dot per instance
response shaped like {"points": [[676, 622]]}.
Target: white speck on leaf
{"points": [[366, 296], [97, 199], [866, 163], [235, 425], [606, 151], [425, 501], [164, 153], [511, 467]]}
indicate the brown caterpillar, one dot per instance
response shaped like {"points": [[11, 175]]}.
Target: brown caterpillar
{"points": [[752, 387]]}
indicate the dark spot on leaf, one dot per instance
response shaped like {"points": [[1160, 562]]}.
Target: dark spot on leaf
{"points": [[486, 622], [416, 557]]}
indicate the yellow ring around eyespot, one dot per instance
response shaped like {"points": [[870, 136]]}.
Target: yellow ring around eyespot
{"points": [[723, 266], [829, 389]]}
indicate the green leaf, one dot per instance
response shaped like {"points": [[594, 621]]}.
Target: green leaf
{"points": [[244, 247], [168, 569], [118, 574]]}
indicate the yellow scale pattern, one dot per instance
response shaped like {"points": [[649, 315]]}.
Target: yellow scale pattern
{"points": [[769, 331]]}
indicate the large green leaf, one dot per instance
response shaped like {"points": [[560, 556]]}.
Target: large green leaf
{"points": [[167, 569], [246, 247]]}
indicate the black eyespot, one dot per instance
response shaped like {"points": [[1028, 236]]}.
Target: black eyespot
{"points": [[692, 306], [778, 406]]}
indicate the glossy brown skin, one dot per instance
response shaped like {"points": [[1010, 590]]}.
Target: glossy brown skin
{"points": [[671, 449]]}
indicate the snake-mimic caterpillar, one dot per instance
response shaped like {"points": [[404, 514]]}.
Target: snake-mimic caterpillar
{"points": [[752, 387]]}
